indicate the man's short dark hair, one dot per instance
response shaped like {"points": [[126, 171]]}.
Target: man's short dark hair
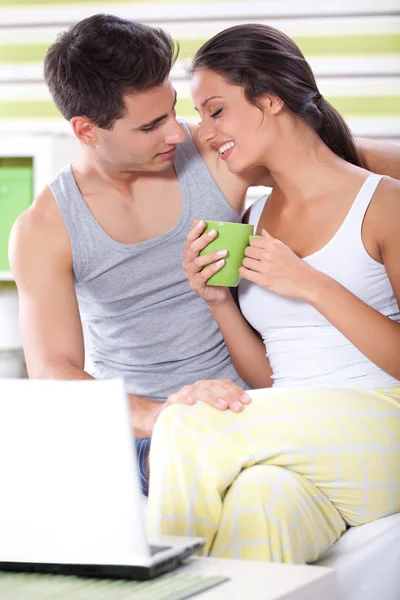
{"points": [[94, 64]]}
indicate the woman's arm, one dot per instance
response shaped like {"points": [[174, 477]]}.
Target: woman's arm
{"points": [[372, 333], [247, 350], [245, 347], [375, 335]]}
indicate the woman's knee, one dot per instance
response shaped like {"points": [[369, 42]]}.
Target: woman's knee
{"points": [[266, 483]]}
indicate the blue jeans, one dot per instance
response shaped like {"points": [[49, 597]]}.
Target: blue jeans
{"points": [[142, 451]]}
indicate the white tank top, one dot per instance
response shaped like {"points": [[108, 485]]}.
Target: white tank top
{"points": [[303, 348]]}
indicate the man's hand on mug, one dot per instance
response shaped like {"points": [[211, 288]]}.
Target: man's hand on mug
{"points": [[220, 393], [193, 265]]}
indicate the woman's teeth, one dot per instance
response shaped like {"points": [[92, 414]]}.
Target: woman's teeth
{"points": [[225, 147]]}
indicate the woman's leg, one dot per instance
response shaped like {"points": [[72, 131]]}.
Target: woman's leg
{"points": [[345, 442], [273, 514]]}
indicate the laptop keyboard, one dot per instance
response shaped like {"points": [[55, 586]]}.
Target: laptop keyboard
{"points": [[155, 549], [172, 586]]}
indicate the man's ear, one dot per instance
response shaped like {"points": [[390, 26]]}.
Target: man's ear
{"points": [[85, 130]]}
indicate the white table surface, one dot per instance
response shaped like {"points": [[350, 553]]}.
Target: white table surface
{"points": [[253, 580]]}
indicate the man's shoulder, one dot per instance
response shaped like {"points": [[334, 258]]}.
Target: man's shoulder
{"points": [[193, 127], [40, 227], [190, 123], [43, 213], [206, 151], [231, 185]]}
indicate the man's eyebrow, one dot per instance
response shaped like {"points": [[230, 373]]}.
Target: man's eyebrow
{"points": [[158, 119], [205, 102]]}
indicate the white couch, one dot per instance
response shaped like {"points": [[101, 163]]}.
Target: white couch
{"points": [[367, 561]]}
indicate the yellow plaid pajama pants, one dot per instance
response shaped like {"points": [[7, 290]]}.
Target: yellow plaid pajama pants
{"points": [[280, 481]]}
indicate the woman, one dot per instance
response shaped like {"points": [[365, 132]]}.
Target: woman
{"points": [[320, 450]]}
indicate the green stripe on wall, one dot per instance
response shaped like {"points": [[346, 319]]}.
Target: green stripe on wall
{"points": [[348, 106], [367, 106], [29, 110], [364, 106], [346, 45], [30, 53]]}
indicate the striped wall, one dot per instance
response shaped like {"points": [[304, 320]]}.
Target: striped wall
{"points": [[352, 45]]}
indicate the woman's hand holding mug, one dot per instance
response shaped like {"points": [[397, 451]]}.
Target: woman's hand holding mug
{"points": [[198, 269]]}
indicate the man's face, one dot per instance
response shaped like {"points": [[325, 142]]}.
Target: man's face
{"points": [[145, 138]]}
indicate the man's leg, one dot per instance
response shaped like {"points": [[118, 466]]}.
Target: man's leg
{"points": [[142, 451], [345, 442]]}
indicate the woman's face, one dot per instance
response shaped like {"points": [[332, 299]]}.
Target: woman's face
{"points": [[242, 133]]}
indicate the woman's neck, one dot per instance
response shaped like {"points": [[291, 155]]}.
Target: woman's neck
{"points": [[302, 165]]}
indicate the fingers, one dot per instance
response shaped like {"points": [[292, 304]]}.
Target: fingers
{"points": [[195, 242], [238, 396], [266, 235], [207, 259], [253, 264], [184, 396], [257, 242], [188, 254], [221, 394], [198, 276], [251, 276], [253, 252], [198, 228], [202, 242], [265, 249], [266, 241]]}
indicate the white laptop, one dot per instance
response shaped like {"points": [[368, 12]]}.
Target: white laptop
{"points": [[70, 498]]}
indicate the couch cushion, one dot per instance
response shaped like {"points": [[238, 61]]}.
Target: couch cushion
{"points": [[367, 561]]}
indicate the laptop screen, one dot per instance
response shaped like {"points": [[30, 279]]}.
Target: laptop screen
{"points": [[70, 489]]}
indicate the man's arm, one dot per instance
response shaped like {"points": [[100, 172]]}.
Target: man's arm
{"points": [[51, 329], [380, 157]]}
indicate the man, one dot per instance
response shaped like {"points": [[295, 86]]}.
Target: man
{"points": [[102, 245]]}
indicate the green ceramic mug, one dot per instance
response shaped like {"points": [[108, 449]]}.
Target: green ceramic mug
{"points": [[233, 237]]}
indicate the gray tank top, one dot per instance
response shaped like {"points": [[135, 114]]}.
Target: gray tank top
{"points": [[145, 323]]}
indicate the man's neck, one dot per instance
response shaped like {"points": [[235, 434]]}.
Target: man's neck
{"points": [[95, 175]]}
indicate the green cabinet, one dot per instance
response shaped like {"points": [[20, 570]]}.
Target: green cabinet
{"points": [[16, 194]]}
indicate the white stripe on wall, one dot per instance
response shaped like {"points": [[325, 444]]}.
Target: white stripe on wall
{"points": [[374, 66], [40, 15], [24, 91], [388, 86], [338, 86], [384, 127]]}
